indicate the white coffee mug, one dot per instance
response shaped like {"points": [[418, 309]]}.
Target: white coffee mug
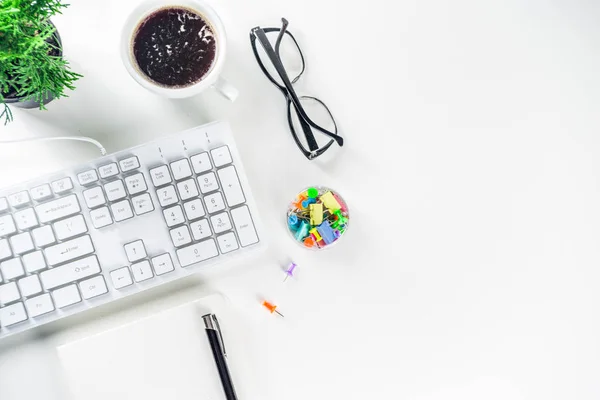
{"points": [[211, 79]]}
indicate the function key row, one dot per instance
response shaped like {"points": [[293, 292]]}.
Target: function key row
{"points": [[38, 193], [63, 185], [160, 176]]}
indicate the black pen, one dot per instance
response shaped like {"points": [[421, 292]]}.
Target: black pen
{"points": [[215, 338]]}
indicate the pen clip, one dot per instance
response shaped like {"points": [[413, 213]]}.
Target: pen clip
{"points": [[212, 322]]}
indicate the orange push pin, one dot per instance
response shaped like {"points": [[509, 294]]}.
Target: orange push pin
{"points": [[271, 307]]}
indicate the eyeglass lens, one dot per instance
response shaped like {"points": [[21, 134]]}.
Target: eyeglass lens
{"points": [[290, 55]]}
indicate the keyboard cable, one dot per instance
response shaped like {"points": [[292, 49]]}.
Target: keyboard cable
{"points": [[76, 138]]}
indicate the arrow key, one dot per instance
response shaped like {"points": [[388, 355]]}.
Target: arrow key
{"points": [[142, 271], [121, 278]]}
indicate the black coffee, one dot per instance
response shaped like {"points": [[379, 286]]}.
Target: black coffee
{"points": [[174, 47]]}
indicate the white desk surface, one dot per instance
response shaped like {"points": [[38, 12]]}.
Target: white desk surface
{"points": [[472, 265]]}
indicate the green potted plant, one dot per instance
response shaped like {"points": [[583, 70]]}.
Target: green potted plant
{"points": [[32, 69]]}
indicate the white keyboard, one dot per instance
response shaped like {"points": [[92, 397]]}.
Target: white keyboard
{"points": [[122, 224]]}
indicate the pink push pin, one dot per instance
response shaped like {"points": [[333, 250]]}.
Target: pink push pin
{"points": [[290, 271]]}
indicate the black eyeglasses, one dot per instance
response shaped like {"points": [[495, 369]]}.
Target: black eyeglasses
{"points": [[280, 57]]}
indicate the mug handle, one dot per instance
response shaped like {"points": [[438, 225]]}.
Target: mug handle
{"points": [[226, 89]]}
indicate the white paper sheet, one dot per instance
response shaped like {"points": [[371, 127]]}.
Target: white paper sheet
{"points": [[164, 356]]}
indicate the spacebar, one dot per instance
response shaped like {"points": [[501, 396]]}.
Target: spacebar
{"points": [[197, 252]]}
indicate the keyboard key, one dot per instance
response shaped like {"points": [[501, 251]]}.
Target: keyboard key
{"points": [[142, 271], [21, 243], [12, 314], [101, 217], [3, 204], [121, 210], [43, 236], [214, 202], [136, 184], [87, 177], [194, 209], [7, 225], [30, 286], [39, 305], [108, 170], [69, 250], [201, 163], [160, 176], [93, 287], [174, 216], [244, 226], [70, 227], [34, 262], [231, 186], [9, 293], [94, 197], [19, 199], [187, 189], [41, 192], [200, 229], [135, 250], [115, 190], [142, 204], [129, 164], [70, 272], [162, 264], [220, 222], [221, 156], [180, 236], [121, 278], [66, 296], [12, 269], [181, 169], [208, 182], [167, 196], [62, 185], [197, 252], [5, 251], [26, 219], [58, 209], [227, 242]]}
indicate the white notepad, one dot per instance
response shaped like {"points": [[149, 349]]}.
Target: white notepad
{"points": [[164, 356]]}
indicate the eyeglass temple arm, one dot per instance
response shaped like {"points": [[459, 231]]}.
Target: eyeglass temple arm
{"points": [[310, 137], [264, 41], [284, 25]]}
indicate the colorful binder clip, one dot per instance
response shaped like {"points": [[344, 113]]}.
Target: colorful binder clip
{"points": [[316, 214]]}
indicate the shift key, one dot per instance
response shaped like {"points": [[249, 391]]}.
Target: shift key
{"points": [[70, 272], [69, 250]]}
